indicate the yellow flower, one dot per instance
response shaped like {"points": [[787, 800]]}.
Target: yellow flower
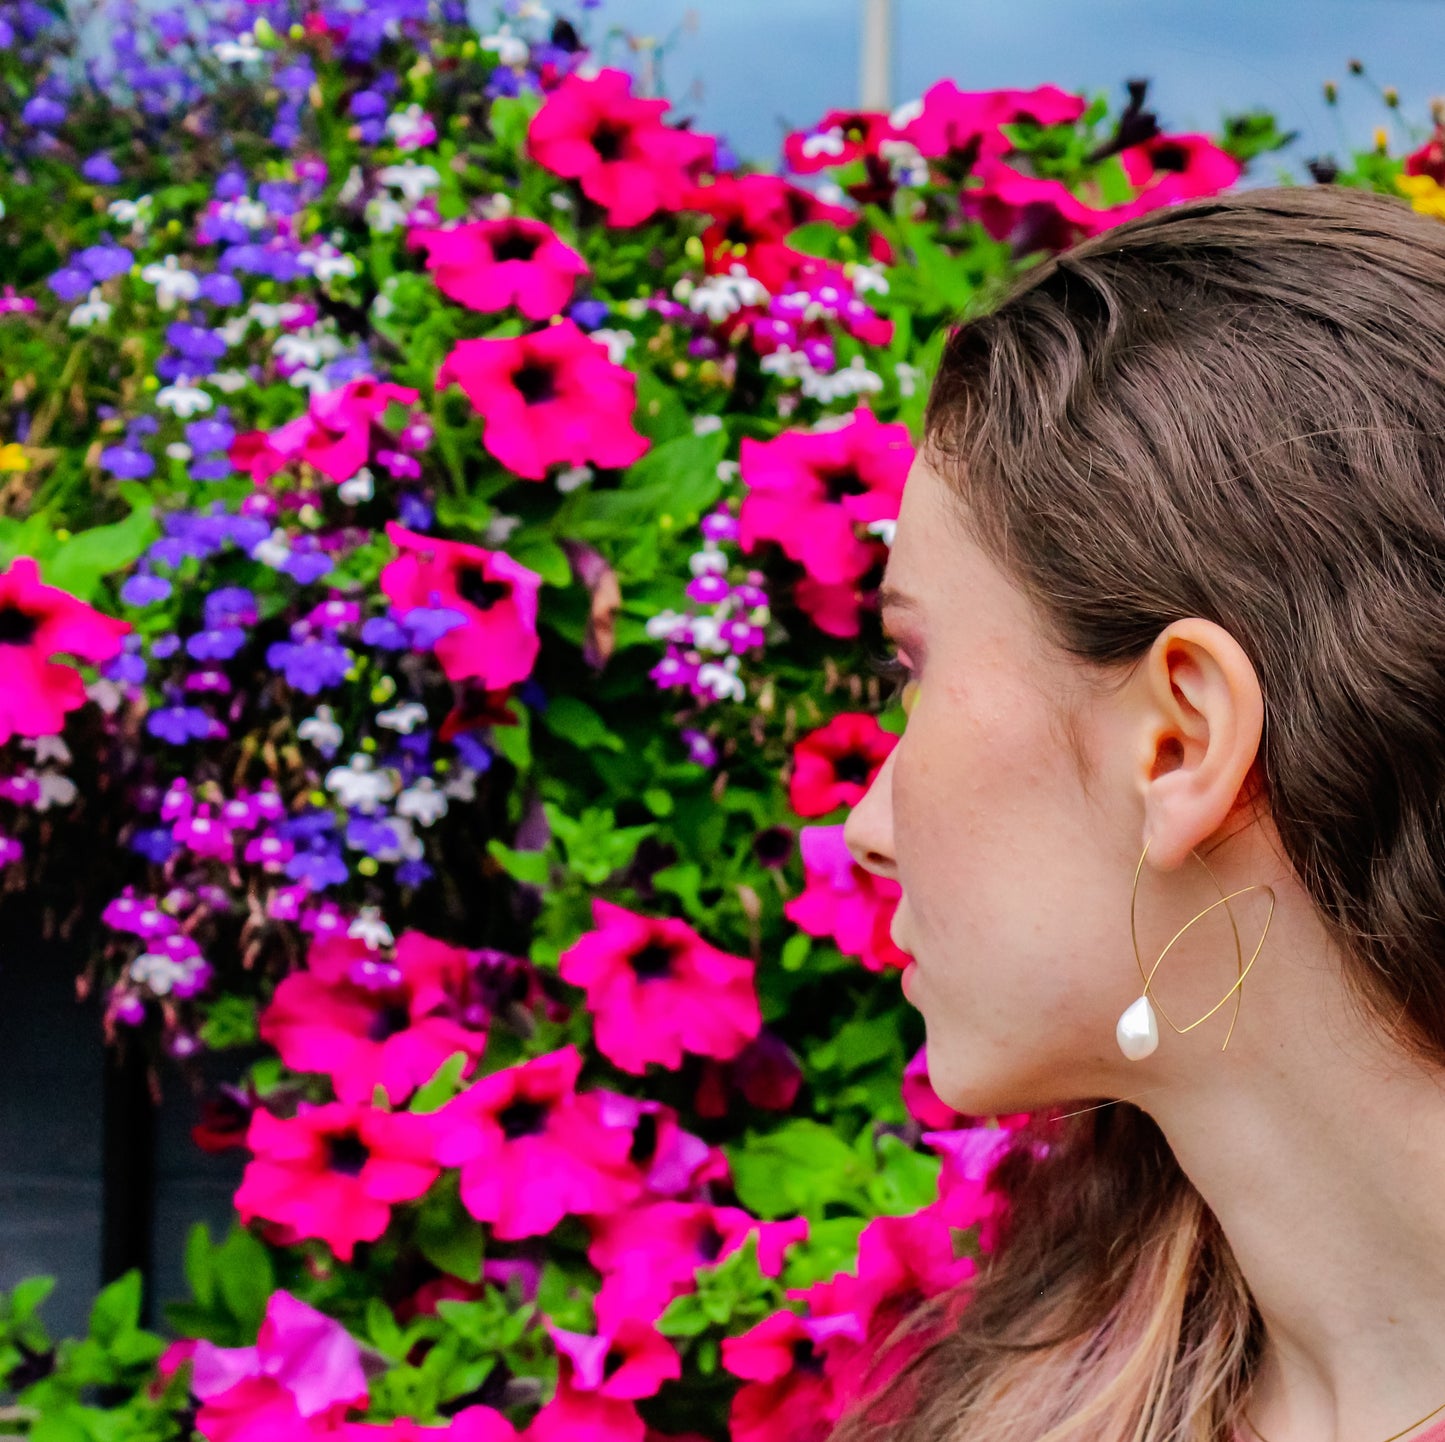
{"points": [[1426, 195], [13, 457]]}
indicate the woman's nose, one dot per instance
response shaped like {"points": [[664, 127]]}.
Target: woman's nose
{"points": [[868, 831]]}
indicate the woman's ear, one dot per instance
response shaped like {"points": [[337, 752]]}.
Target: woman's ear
{"points": [[1202, 715]]}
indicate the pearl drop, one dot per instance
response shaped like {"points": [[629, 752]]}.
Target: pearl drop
{"points": [[1138, 1031]]}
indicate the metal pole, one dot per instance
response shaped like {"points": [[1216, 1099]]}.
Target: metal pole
{"points": [[875, 61]]}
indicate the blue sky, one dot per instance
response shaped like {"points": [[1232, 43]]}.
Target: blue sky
{"points": [[748, 65]]}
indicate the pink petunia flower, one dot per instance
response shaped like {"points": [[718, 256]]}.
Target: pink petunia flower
{"points": [[394, 1035], [791, 1397], [334, 435], [752, 216], [532, 1149], [1172, 168], [299, 1380], [839, 137], [629, 1359], [489, 265], [38, 623], [575, 1415], [834, 765], [924, 1104], [497, 597], [471, 1424], [843, 901], [334, 1172], [673, 1161], [656, 989], [675, 1238], [808, 490], [548, 398], [966, 122], [616, 147], [766, 1074]]}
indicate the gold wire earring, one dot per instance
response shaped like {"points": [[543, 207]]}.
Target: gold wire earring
{"points": [[1138, 1032]]}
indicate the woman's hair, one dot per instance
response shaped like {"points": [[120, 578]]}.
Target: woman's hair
{"points": [[1231, 408]]}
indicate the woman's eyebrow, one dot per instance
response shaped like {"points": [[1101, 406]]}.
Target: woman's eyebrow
{"points": [[891, 598]]}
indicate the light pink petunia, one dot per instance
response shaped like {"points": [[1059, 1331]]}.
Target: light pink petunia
{"points": [[489, 265], [38, 623], [656, 989], [552, 397], [843, 901], [299, 1380]]}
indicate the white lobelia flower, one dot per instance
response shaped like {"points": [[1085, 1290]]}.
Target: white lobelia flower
{"points": [[408, 124], [722, 679], [384, 214], [905, 114], [239, 51], [618, 343], [94, 311], [55, 790], [172, 282], [406, 844], [708, 561], [184, 399], [411, 178], [157, 972], [106, 694], [298, 348], [461, 784], [866, 278], [496, 207], [47, 748], [706, 634], [664, 625], [351, 187], [908, 377], [328, 263], [883, 530], [233, 332], [246, 210], [361, 487], [824, 142], [706, 425], [367, 926], [359, 784], [574, 476], [230, 381], [404, 718], [422, 802], [382, 306], [511, 49], [179, 451], [273, 551], [321, 729], [499, 528]]}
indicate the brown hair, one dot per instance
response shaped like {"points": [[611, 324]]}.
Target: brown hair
{"points": [[1231, 408]]}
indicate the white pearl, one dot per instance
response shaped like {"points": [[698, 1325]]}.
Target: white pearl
{"points": [[1138, 1031]]}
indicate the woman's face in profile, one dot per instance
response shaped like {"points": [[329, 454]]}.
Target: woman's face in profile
{"points": [[1015, 880]]}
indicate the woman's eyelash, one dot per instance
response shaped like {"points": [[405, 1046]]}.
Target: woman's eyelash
{"points": [[891, 669]]}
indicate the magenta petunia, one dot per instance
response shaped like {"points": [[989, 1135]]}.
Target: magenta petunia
{"points": [[489, 265], [967, 122], [497, 597], [791, 1395], [576, 1415], [842, 901], [834, 765], [391, 1027], [38, 623], [593, 130], [552, 397], [532, 1149], [629, 1359], [334, 1172], [334, 435], [656, 989], [840, 137], [299, 1380], [650, 1254], [810, 490], [471, 1424]]}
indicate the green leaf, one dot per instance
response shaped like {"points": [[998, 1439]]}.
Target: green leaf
{"points": [[509, 118], [798, 1170], [116, 1310], [907, 1180], [245, 1278], [576, 722], [80, 563], [445, 1083], [28, 1297], [531, 867], [199, 1265]]}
